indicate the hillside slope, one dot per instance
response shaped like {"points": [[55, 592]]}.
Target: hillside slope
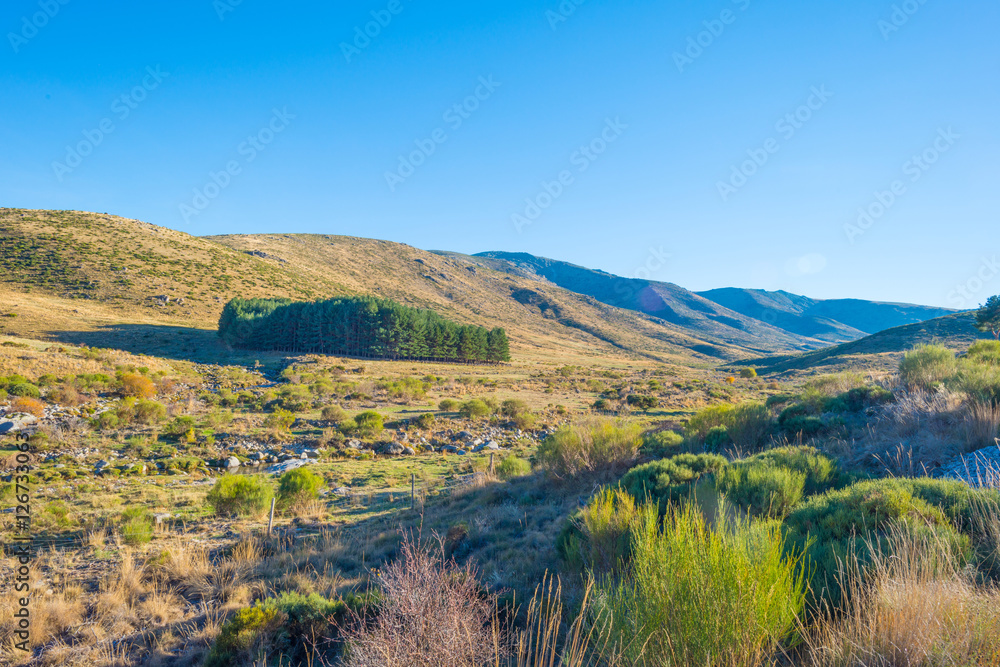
{"points": [[664, 301], [109, 281], [834, 320], [880, 351]]}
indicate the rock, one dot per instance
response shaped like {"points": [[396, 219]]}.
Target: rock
{"points": [[310, 453], [978, 468], [464, 435], [409, 451], [160, 518], [391, 449], [451, 449], [17, 424], [490, 446], [342, 491], [231, 462]]}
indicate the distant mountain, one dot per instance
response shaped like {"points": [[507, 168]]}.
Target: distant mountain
{"points": [[880, 351], [754, 319], [834, 320], [665, 301]]}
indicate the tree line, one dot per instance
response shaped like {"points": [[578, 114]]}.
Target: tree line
{"points": [[357, 327]]}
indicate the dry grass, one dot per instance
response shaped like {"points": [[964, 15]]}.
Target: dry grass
{"points": [[982, 424], [918, 609]]}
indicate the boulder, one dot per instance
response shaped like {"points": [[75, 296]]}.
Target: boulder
{"points": [[16, 424], [231, 462], [285, 466], [409, 451], [392, 449]]}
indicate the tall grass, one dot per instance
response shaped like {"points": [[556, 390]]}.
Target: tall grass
{"points": [[914, 608], [596, 446], [927, 366], [702, 595]]}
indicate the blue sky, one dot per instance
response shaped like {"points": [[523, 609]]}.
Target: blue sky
{"points": [[713, 143]]}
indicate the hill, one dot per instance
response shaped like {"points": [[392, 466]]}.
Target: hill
{"points": [[108, 281], [833, 320], [665, 301], [881, 351]]}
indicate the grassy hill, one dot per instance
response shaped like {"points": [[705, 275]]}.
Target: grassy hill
{"points": [[112, 282], [881, 351]]}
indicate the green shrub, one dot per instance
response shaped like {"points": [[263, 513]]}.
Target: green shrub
{"points": [[136, 526], [280, 420], [474, 408], [840, 522], [149, 412], [748, 373], [984, 352], [598, 446], [240, 495], [927, 366], [518, 411], [979, 381], [821, 473], [298, 486], [717, 439], [243, 636], [425, 420], [764, 490], [641, 402], [448, 405], [369, 424], [795, 420], [702, 595], [512, 466], [24, 390], [597, 537], [661, 444], [708, 418], [669, 480], [750, 424], [179, 426]]}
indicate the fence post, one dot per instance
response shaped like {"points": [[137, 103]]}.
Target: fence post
{"points": [[413, 487], [270, 520], [491, 464]]}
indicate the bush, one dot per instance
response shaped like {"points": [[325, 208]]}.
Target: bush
{"points": [[334, 413], [512, 466], [299, 486], [518, 412], [24, 390], [749, 425], [28, 406], [640, 402], [927, 366], [708, 418], [448, 405], [474, 408], [702, 595], [279, 420], [766, 491], [748, 373], [821, 473], [717, 439], [425, 420], [669, 479], [149, 412], [137, 386], [661, 444], [838, 522], [136, 526], [984, 352], [795, 420], [244, 635], [179, 426], [369, 424], [599, 446], [597, 537], [240, 495], [858, 399]]}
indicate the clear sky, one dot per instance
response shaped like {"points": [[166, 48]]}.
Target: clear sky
{"points": [[712, 143]]}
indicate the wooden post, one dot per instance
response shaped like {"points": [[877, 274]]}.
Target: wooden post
{"points": [[413, 488], [491, 464], [270, 521]]}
